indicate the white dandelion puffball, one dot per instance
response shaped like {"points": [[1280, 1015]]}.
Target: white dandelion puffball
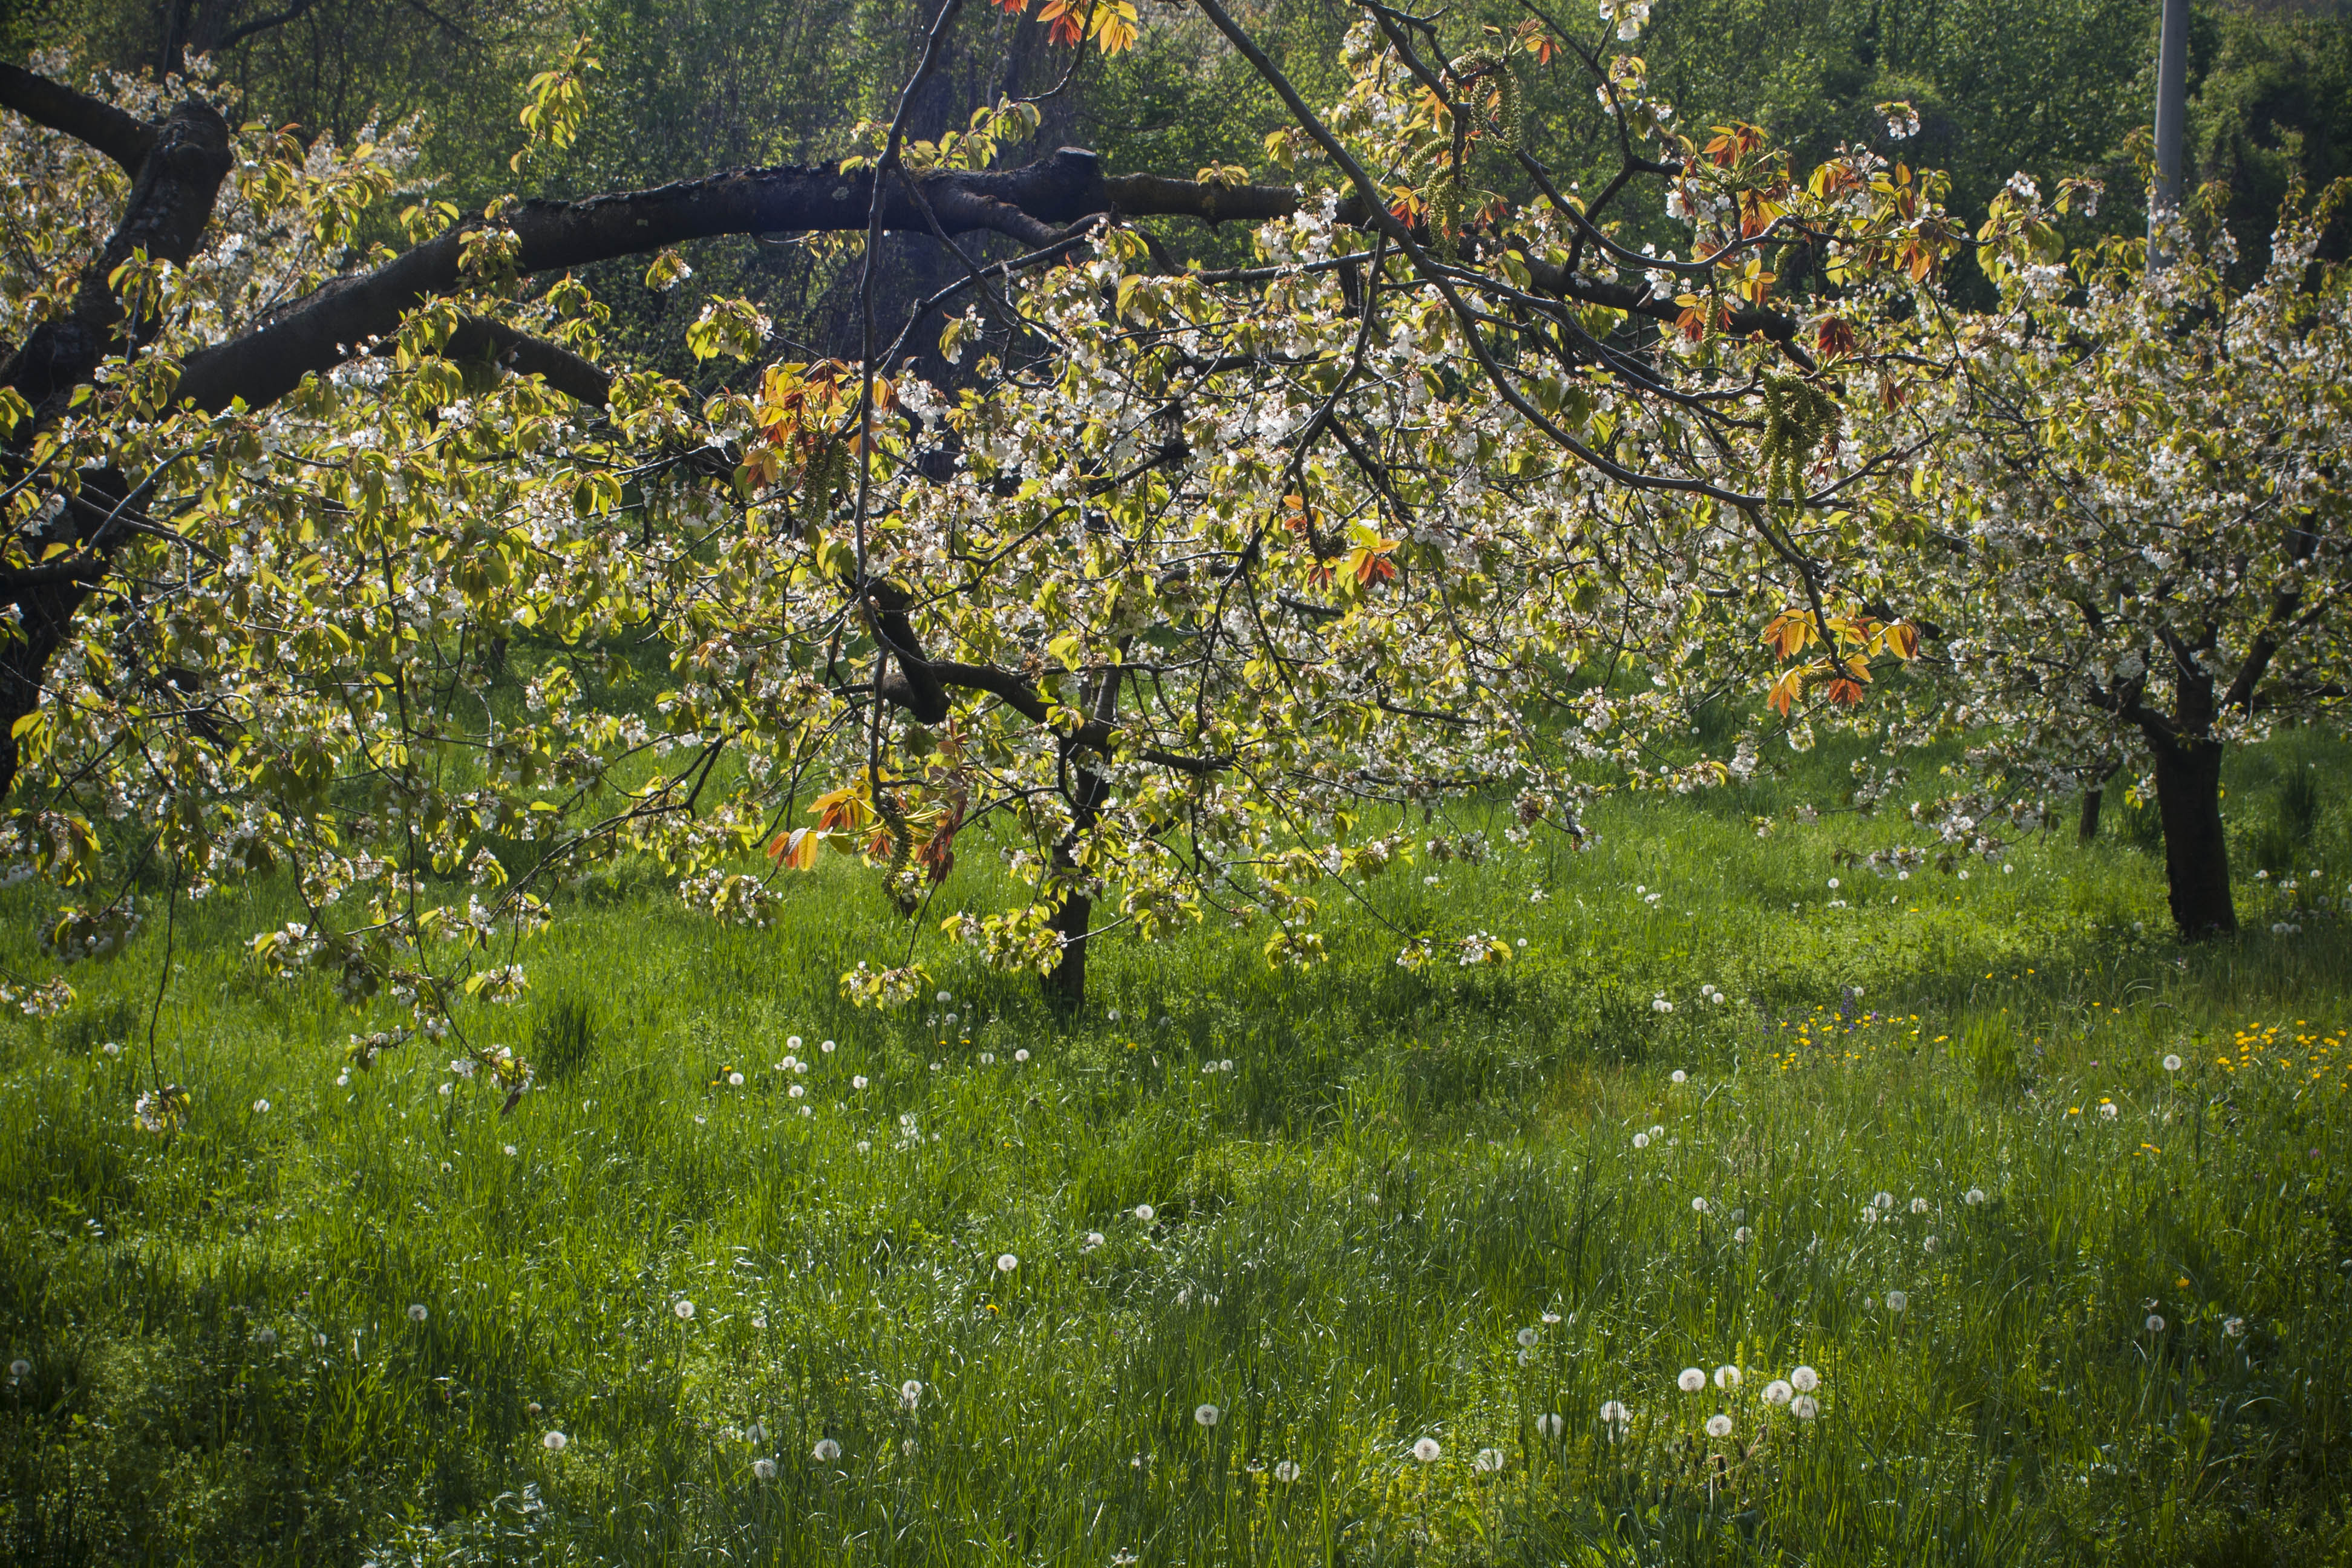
{"points": [[1426, 1450], [1526, 1338], [1656, 1132], [2106, 1111], [1743, 1235], [265, 1336], [1680, 1076], [1144, 1213], [734, 1080], [1976, 1196], [910, 1393], [1728, 1377], [1614, 1414], [759, 1320], [1928, 1244], [1918, 1206], [555, 1442], [1883, 1201], [2155, 1323], [1094, 1240], [792, 1042], [1718, 1425], [509, 1151], [1698, 1206], [1287, 1472], [988, 1058], [764, 1468], [796, 1092], [417, 1313], [20, 1368], [1226, 1064], [2231, 1328], [1804, 1407], [865, 1145], [684, 1308], [826, 1451], [2171, 1062], [1691, 1381], [1833, 882], [1489, 1461], [1006, 1263], [1897, 1300], [1778, 1391], [857, 1081], [946, 997], [1206, 1415], [1804, 1380], [827, 1046], [1022, 1055], [1549, 1426], [261, 1108], [1641, 1140]]}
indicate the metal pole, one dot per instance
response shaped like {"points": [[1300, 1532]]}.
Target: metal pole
{"points": [[2171, 110]]}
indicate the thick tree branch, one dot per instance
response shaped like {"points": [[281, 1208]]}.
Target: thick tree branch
{"points": [[122, 137], [1034, 204]]}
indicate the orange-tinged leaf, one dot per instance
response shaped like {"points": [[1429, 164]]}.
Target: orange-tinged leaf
{"points": [[1845, 691], [1789, 633], [1903, 640], [797, 849], [1785, 693]]}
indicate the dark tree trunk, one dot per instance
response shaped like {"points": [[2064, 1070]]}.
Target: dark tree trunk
{"points": [[2089, 830], [1066, 984], [2196, 855]]}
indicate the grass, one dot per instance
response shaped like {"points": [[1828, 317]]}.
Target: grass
{"points": [[1364, 1183]]}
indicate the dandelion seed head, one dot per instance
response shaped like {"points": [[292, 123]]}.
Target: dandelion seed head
{"points": [[1641, 1140], [20, 1369], [1975, 1196], [418, 1312], [764, 1468], [1094, 1240], [1896, 1301], [1006, 1263], [1614, 1414], [1426, 1450], [1022, 1055], [1206, 1415], [1743, 1235], [1144, 1213], [1287, 1472], [683, 1307], [1527, 1338], [1691, 1381], [1549, 1426], [2156, 1323], [1489, 1461], [1728, 1377], [2231, 1328], [1777, 1392], [2171, 1062], [1918, 1206], [1804, 1407], [1718, 1425], [261, 1108], [826, 1451], [555, 1442], [1680, 1076], [910, 1393], [1804, 1380]]}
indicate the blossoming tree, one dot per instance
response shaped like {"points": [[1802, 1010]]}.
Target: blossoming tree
{"points": [[344, 560], [2137, 546]]}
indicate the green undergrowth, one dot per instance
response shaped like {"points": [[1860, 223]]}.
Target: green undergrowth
{"points": [[1366, 1186]]}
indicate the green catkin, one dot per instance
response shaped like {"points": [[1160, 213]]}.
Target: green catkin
{"points": [[1797, 417]]}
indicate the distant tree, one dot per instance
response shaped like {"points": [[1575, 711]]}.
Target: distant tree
{"points": [[2136, 538]]}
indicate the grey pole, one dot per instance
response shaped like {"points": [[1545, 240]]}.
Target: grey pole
{"points": [[2171, 110]]}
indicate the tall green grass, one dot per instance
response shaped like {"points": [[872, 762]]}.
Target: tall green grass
{"points": [[1349, 1228]]}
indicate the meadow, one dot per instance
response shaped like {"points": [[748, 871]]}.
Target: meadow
{"points": [[1992, 1224]]}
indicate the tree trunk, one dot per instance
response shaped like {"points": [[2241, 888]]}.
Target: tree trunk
{"points": [[2196, 856], [2089, 830], [1066, 984]]}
